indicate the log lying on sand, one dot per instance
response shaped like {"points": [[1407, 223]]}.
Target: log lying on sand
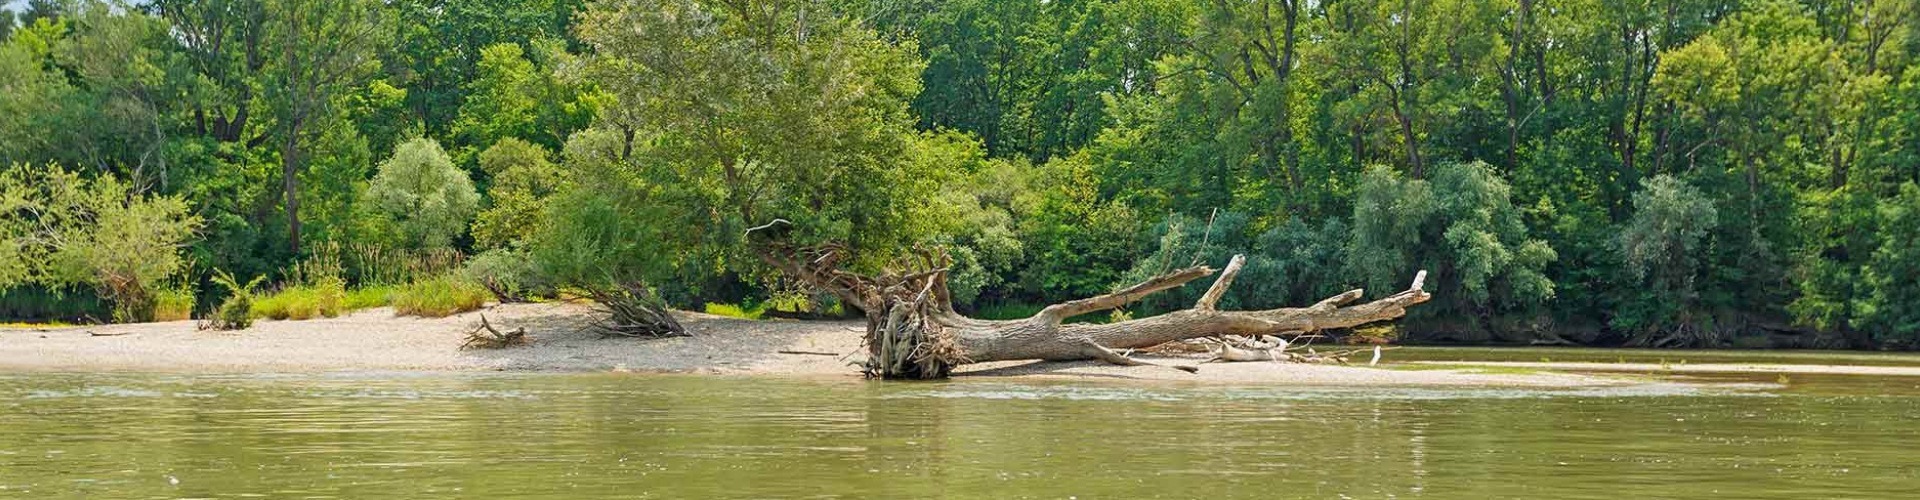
{"points": [[913, 331]]}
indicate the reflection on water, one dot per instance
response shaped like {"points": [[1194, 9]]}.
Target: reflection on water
{"points": [[634, 436]]}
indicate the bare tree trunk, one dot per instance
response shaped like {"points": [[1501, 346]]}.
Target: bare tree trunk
{"points": [[290, 185], [1044, 336], [913, 331]]}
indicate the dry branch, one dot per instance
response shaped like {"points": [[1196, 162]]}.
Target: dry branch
{"points": [[486, 336]]}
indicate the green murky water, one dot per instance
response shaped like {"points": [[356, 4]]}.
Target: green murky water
{"points": [[650, 436]]}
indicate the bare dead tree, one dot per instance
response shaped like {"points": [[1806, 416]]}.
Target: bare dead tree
{"points": [[913, 331]]}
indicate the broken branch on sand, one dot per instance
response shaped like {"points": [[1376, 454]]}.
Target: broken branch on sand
{"points": [[486, 336]]}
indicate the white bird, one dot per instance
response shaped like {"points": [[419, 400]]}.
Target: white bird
{"points": [[1376, 356]]}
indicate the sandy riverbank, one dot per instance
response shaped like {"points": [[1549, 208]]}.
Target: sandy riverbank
{"points": [[376, 340]]}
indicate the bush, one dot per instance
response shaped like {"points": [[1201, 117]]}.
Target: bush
{"points": [[439, 297], [1462, 226], [235, 313], [508, 274], [325, 298], [1661, 247]]}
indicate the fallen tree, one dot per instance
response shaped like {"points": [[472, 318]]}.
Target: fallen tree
{"points": [[913, 331]]}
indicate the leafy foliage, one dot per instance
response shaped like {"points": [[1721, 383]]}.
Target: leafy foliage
{"points": [[427, 200], [1690, 172], [236, 311], [1462, 226], [58, 229], [523, 178], [1887, 307], [1661, 247], [439, 297]]}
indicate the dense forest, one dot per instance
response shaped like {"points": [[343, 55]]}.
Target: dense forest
{"points": [[1673, 173]]}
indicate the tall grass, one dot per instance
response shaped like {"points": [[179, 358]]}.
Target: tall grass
{"points": [[173, 305], [374, 265], [325, 298], [369, 297], [438, 297]]}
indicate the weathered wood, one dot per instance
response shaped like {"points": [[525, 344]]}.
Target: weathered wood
{"points": [[913, 331]]}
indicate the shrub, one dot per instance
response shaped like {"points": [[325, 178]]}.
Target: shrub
{"points": [[508, 274], [326, 298], [1661, 247], [235, 313], [1463, 226], [439, 297]]}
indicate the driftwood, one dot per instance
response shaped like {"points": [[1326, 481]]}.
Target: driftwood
{"points": [[486, 336], [632, 310], [913, 331], [808, 353]]}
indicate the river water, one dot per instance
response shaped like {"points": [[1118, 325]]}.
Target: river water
{"points": [[388, 435]]}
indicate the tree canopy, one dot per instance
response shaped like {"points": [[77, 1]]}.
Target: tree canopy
{"points": [[1689, 172]]}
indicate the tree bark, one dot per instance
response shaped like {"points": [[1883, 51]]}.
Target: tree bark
{"points": [[290, 185]]}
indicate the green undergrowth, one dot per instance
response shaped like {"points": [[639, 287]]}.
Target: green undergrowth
{"points": [[734, 311], [326, 298], [369, 297], [796, 305], [439, 297], [1006, 311], [173, 305]]}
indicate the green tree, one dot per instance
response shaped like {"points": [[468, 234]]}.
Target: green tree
{"points": [[426, 198], [59, 229], [1889, 307], [515, 97], [317, 53], [753, 114], [1662, 302], [1463, 227], [523, 178]]}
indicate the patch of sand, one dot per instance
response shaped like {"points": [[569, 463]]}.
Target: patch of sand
{"points": [[376, 340]]}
